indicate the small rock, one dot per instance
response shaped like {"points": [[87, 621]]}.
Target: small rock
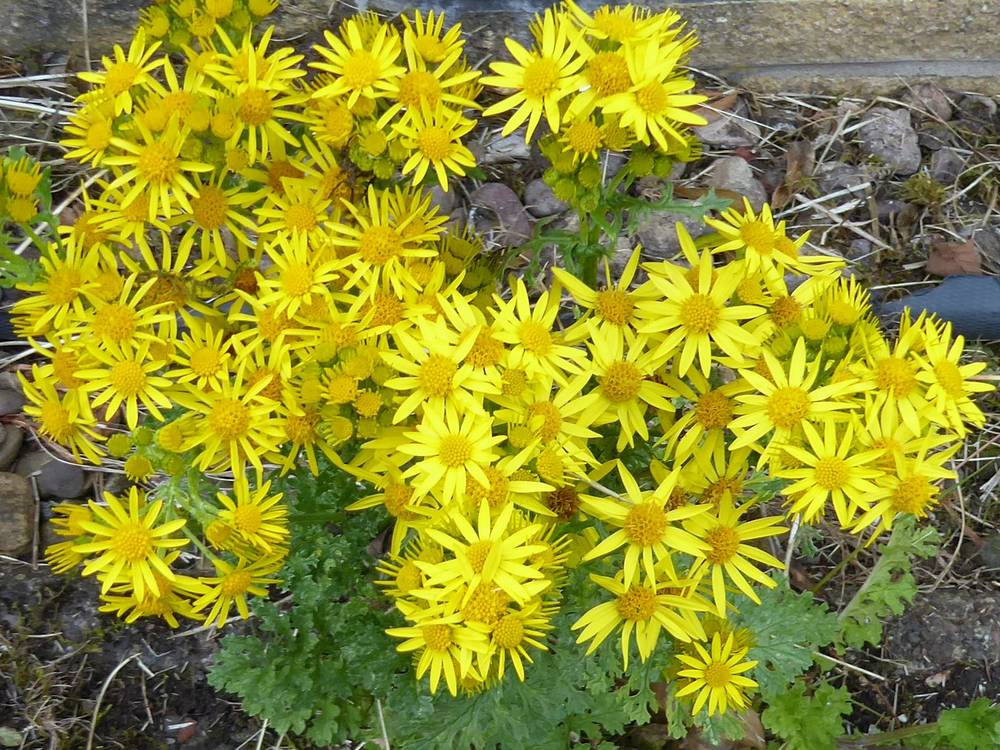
{"points": [[658, 234], [507, 149], [929, 98], [978, 110], [8, 379], [499, 215], [730, 130], [889, 208], [11, 401], [988, 242], [989, 553], [55, 478], [934, 135], [889, 136], [946, 165], [17, 514], [445, 201], [541, 201], [733, 173], [10, 446], [832, 176], [861, 251]]}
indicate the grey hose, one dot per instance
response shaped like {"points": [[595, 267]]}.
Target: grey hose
{"points": [[971, 303]]}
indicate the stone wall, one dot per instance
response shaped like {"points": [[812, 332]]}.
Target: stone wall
{"points": [[785, 43]]}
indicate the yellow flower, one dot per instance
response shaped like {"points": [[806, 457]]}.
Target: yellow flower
{"points": [[173, 598], [950, 384], [232, 426], [528, 329], [64, 292], [624, 369], [724, 552], [215, 209], [435, 137], [541, 78], [448, 448], [232, 585], [298, 211], [123, 72], [655, 105], [256, 516], [446, 646], [694, 314], [782, 402], [128, 376], [717, 677], [511, 634], [912, 488], [427, 39], [300, 278], [155, 166], [66, 419], [359, 68], [22, 176], [645, 527], [487, 554], [705, 425], [641, 611], [432, 367], [380, 243], [128, 543], [202, 356], [832, 469]]}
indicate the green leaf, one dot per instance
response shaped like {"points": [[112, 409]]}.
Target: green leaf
{"points": [[808, 722], [974, 728], [787, 628], [890, 585]]}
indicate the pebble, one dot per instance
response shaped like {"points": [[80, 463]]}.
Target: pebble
{"points": [[946, 165], [445, 201], [989, 553], [977, 110], [930, 98], [733, 173], [888, 135], [730, 130], [55, 478], [541, 201], [10, 445], [502, 150], [832, 176], [657, 234], [17, 514], [500, 216], [11, 401]]}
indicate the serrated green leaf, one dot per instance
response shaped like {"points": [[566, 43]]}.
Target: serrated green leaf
{"points": [[890, 585], [976, 727], [787, 628], [808, 722]]}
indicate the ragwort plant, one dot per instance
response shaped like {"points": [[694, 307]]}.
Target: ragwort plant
{"points": [[260, 296]]}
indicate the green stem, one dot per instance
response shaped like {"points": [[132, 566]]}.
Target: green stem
{"points": [[835, 571], [884, 738]]}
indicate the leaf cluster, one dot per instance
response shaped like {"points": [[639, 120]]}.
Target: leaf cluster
{"points": [[312, 668], [976, 727], [890, 585], [808, 721]]}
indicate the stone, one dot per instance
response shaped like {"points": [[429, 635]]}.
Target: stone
{"points": [[931, 99], [541, 201], [445, 201], [946, 165], [56, 479], [501, 150], [934, 135], [10, 445], [11, 401], [657, 234], [832, 176], [734, 173], [890, 208], [888, 135], [17, 514], [728, 132], [980, 110], [988, 242], [730, 129], [499, 215]]}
